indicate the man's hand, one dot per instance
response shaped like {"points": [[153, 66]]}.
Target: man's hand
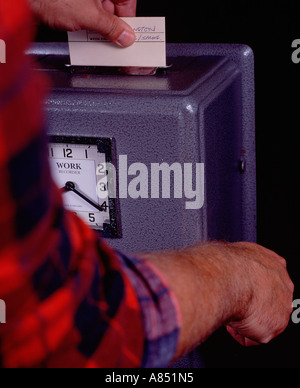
{"points": [[267, 312], [242, 286], [96, 15]]}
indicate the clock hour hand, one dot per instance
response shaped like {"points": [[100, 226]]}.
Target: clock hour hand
{"points": [[70, 186]]}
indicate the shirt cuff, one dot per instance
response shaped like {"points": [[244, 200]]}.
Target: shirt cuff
{"points": [[160, 311]]}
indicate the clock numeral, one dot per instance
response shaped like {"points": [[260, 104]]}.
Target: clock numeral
{"points": [[51, 154], [92, 217], [86, 152], [67, 153], [102, 186], [101, 171], [104, 206]]}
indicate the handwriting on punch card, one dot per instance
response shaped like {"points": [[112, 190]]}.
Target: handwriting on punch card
{"points": [[89, 48]]}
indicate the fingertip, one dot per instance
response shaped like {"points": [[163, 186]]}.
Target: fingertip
{"points": [[126, 38]]}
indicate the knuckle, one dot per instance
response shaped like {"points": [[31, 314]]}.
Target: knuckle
{"points": [[266, 340], [291, 286], [113, 29]]}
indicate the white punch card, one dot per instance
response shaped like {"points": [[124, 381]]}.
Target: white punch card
{"points": [[88, 48]]}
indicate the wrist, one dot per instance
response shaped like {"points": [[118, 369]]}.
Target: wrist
{"points": [[226, 270], [236, 275]]}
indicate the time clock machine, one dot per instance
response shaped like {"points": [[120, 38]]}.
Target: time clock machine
{"points": [[198, 111]]}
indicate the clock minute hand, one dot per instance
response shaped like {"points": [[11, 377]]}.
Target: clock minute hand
{"points": [[70, 186]]}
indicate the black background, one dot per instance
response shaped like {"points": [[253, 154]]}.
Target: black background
{"points": [[269, 28]]}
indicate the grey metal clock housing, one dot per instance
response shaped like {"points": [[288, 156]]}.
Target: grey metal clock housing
{"points": [[200, 110]]}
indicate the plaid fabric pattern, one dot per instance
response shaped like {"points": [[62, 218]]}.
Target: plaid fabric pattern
{"points": [[71, 300]]}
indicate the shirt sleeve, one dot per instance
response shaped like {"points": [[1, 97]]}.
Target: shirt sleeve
{"points": [[159, 308], [71, 300]]}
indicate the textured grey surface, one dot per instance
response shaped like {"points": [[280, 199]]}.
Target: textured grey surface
{"points": [[201, 110]]}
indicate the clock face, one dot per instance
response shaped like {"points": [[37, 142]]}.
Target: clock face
{"points": [[79, 168]]}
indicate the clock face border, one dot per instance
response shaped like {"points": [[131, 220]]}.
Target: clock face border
{"points": [[106, 146]]}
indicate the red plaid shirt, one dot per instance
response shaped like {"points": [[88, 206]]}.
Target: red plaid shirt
{"points": [[71, 300]]}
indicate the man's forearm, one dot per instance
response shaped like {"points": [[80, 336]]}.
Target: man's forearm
{"points": [[201, 278], [215, 285]]}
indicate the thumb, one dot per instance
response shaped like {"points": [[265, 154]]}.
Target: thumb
{"points": [[112, 28]]}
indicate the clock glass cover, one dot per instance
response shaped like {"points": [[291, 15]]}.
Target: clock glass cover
{"points": [[79, 167]]}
